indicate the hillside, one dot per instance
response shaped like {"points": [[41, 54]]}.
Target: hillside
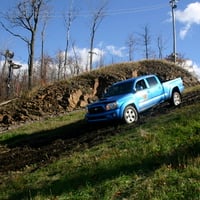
{"points": [[78, 91], [64, 158]]}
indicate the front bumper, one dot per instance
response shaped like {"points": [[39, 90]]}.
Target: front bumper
{"points": [[105, 116]]}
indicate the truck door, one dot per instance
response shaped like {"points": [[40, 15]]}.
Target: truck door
{"points": [[155, 91], [141, 95]]}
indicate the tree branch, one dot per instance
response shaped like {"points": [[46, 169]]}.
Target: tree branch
{"points": [[14, 34]]}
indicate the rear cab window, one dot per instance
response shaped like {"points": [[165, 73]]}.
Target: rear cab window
{"points": [[152, 81]]}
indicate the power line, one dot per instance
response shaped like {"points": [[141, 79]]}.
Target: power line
{"points": [[118, 11], [136, 10]]}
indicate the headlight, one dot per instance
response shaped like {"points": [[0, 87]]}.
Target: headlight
{"points": [[111, 106]]}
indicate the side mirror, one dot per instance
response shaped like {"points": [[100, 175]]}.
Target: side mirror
{"points": [[140, 87]]}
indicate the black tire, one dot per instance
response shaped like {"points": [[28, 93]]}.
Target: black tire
{"points": [[176, 98], [130, 115]]}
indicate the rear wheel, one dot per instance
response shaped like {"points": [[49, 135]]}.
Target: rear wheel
{"points": [[176, 98], [130, 115]]}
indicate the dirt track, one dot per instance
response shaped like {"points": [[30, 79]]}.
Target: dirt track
{"points": [[40, 150]]}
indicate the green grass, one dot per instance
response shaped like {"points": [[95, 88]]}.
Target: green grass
{"points": [[157, 160]]}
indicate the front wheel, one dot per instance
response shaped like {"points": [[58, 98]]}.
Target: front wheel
{"points": [[130, 115], [176, 98]]}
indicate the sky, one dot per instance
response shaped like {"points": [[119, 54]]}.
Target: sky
{"points": [[122, 18]]}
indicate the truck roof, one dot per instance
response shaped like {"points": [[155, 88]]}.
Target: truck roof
{"points": [[134, 78]]}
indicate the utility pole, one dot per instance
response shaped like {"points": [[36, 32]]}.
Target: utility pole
{"points": [[174, 6]]}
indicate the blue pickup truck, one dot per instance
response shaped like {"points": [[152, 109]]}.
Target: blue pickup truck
{"points": [[124, 100]]}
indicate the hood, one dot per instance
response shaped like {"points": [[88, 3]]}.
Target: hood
{"points": [[111, 99]]}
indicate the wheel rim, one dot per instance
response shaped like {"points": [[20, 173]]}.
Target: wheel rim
{"points": [[130, 116], [177, 98]]}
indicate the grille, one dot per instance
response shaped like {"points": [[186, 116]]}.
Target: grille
{"points": [[96, 110]]}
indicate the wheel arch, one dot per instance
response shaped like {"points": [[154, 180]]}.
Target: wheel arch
{"points": [[172, 101], [175, 89], [123, 107]]}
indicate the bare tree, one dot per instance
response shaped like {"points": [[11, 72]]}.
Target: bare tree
{"points": [[43, 69], [68, 18], [76, 59], [146, 41], [59, 63], [131, 43], [97, 18], [25, 16], [161, 46], [48, 63]]}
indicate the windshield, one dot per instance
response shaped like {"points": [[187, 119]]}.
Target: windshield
{"points": [[119, 89]]}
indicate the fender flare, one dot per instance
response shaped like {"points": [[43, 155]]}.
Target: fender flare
{"points": [[175, 89], [124, 105]]}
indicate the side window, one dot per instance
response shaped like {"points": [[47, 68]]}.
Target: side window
{"points": [[152, 81], [140, 85]]}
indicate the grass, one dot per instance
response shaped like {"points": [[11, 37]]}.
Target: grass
{"points": [[157, 160], [43, 125]]}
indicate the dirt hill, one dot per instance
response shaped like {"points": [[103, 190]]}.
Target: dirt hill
{"points": [[78, 91]]}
